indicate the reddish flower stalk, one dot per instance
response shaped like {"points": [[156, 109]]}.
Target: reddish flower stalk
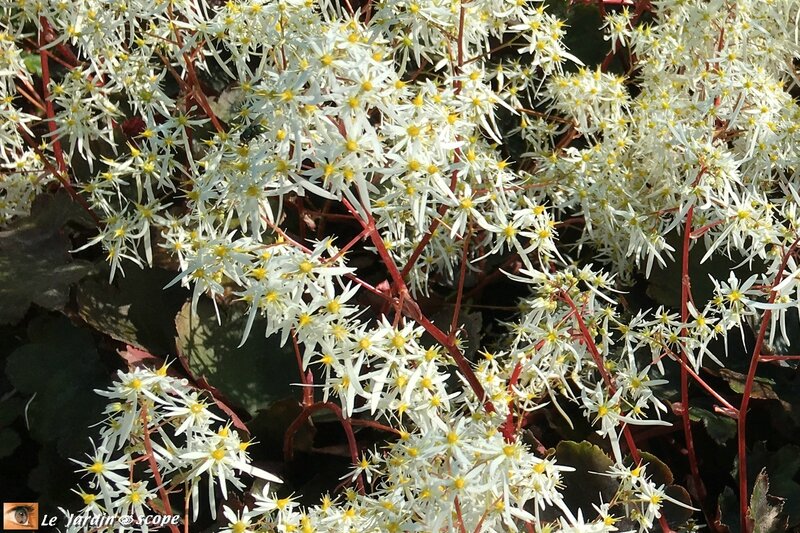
{"points": [[685, 298], [507, 429], [745, 522], [306, 378], [151, 461], [45, 35], [727, 408], [365, 422], [460, 293], [765, 358], [196, 91], [426, 239], [460, 522]]}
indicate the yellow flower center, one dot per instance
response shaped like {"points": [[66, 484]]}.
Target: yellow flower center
{"points": [[218, 454]]}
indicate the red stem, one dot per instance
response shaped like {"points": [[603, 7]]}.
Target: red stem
{"points": [[374, 425], [765, 358], [460, 294], [423, 243], [685, 298], [349, 245], [51, 124], [305, 379], [197, 92], [442, 209], [58, 60], [186, 515], [32, 97], [461, 527], [508, 428], [733, 411], [53, 171], [154, 468], [745, 523]]}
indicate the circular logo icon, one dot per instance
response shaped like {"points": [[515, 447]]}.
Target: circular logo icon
{"points": [[125, 520]]}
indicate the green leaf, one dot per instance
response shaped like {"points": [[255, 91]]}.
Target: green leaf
{"points": [[585, 486], [656, 469], [762, 387], [677, 515], [33, 63], [135, 309], [765, 510], [53, 479], [59, 368], [254, 375], [35, 264], [720, 428]]}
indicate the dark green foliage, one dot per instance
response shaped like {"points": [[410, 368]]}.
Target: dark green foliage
{"points": [[61, 367], [11, 408], [134, 309], [253, 375], [585, 486], [719, 427], [35, 264]]}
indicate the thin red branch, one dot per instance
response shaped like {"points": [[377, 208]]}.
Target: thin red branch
{"points": [[196, 91], [459, 516], [53, 171], [765, 358], [151, 460], [306, 379], [460, 291], [32, 97], [442, 209], [44, 35], [745, 522], [686, 297], [349, 245], [374, 425]]}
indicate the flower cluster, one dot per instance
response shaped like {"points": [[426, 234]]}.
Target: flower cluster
{"points": [[22, 174], [161, 418]]}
